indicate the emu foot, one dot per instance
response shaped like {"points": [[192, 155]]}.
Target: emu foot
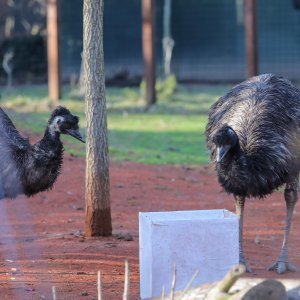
{"points": [[244, 262], [281, 267]]}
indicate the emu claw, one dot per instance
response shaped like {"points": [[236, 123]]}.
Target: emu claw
{"points": [[281, 267], [244, 262]]}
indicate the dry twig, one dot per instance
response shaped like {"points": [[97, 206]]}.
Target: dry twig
{"points": [[53, 293], [99, 285], [127, 281]]}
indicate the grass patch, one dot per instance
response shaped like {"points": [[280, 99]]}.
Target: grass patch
{"points": [[158, 139], [171, 133]]}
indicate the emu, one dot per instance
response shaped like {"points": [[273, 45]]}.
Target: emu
{"points": [[29, 169], [253, 134]]}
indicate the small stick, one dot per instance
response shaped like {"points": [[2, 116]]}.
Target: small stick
{"points": [[127, 281], [163, 293], [99, 286], [191, 281], [173, 284], [53, 293]]}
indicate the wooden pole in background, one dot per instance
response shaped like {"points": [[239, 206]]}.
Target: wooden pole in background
{"points": [[148, 38], [251, 38], [53, 51]]}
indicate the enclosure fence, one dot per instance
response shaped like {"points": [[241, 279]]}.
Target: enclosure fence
{"points": [[209, 39]]}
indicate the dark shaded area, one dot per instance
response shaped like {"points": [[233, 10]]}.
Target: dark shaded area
{"points": [[30, 58]]}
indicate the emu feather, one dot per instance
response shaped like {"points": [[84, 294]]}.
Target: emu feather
{"points": [[29, 169], [253, 136]]}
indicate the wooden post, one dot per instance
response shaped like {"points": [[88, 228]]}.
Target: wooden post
{"points": [[53, 51], [251, 37], [148, 38]]}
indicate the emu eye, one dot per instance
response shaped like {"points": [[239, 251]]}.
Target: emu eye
{"points": [[67, 126]]}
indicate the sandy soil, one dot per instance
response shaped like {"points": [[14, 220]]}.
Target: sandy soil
{"points": [[42, 242]]}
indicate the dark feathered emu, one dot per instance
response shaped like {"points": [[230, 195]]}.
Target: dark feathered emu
{"points": [[29, 169], [253, 133]]}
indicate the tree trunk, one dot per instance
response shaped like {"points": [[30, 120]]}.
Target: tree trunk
{"points": [[148, 38], [97, 195], [53, 51]]}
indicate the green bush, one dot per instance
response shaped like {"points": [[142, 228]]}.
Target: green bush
{"points": [[165, 88]]}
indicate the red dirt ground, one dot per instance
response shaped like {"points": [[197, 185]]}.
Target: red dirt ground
{"points": [[42, 243]]}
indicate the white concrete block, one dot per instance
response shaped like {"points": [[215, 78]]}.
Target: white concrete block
{"points": [[204, 240]]}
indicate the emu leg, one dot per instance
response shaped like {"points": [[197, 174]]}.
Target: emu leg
{"points": [[290, 194], [239, 208]]}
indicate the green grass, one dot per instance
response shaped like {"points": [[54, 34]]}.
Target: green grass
{"points": [[172, 132], [158, 138]]}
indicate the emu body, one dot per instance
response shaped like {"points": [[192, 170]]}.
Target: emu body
{"points": [[253, 134], [29, 169]]}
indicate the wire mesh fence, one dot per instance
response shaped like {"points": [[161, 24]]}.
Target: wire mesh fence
{"points": [[209, 39]]}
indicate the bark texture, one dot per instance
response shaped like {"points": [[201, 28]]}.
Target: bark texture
{"points": [[98, 214]]}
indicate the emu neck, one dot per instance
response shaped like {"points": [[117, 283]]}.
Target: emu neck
{"points": [[233, 157], [43, 164], [232, 171], [234, 153], [51, 139]]}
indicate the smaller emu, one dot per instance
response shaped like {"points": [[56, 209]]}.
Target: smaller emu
{"points": [[253, 133], [29, 169]]}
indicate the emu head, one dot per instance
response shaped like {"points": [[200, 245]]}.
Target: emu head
{"points": [[62, 121], [225, 140]]}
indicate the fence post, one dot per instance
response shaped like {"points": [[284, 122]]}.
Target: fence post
{"points": [[148, 38], [251, 38], [53, 51]]}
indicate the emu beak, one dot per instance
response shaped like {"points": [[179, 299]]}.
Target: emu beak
{"points": [[222, 151], [76, 134]]}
